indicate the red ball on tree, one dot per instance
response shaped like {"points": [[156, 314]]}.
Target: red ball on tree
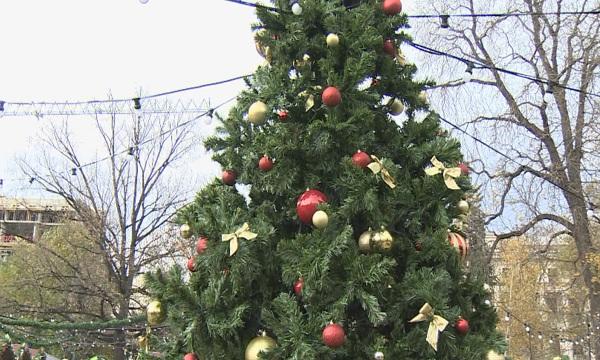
{"points": [[190, 356], [389, 47], [331, 96], [201, 244], [306, 206], [298, 286], [418, 246], [464, 168], [191, 264], [228, 177], [265, 163], [333, 335], [462, 326], [391, 7], [361, 159], [283, 115]]}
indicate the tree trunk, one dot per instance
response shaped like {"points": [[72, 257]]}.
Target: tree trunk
{"points": [[120, 337]]}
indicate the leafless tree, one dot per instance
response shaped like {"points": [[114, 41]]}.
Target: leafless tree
{"points": [[548, 148], [126, 197]]}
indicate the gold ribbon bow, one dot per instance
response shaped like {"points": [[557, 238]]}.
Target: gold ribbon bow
{"points": [[449, 173], [310, 98], [243, 232], [377, 167], [437, 324]]}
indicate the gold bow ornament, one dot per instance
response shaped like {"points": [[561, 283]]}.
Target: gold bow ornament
{"points": [[233, 238], [437, 324], [450, 174], [377, 167], [310, 98]]}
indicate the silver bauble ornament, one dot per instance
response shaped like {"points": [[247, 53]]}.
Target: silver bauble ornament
{"points": [[463, 206], [185, 231], [364, 241]]}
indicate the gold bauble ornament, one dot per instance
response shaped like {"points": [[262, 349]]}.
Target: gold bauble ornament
{"points": [[396, 107], [401, 58], [463, 206], [155, 313], [320, 219], [364, 241], [262, 49], [142, 342], [492, 355], [423, 97], [185, 231], [383, 240], [305, 61], [257, 113], [332, 40], [259, 344]]}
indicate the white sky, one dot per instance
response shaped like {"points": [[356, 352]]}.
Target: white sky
{"points": [[73, 50]]}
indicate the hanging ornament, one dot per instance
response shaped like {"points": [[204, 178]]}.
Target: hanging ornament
{"points": [[191, 264], [142, 342], [190, 356], [185, 231], [401, 58], [396, 107], [302, 63], [461, 245], [282, 115], [332, 40], [298, 285], [361, 159], [463, 207], [333, 335], [306, 206], [464, 168], [364, 241], [201, 244], [382, 240], [296, 9], [260, 344], [242, 233], [389, 47], [155, 313], [378, 356], [437, 324], [418, 246], [265, 163], [423, 97], [331, 96], [257, 113], [320, 219], [228, 177], [462, 326], [262, 49], [492, 355], [449, 174], [377, 168], [392, 7]]}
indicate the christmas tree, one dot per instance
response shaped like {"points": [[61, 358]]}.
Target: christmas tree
{"points": [[341, 249]]}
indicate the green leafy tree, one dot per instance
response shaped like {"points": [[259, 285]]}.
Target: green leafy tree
{"points": [[371, 294]]}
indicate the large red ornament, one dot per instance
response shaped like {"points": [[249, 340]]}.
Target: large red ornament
{"points": [[333, 335], [361, 159], [464, 168], [462, 326], [190, 356], [389, 47], [201, 244], [298, 286], [228, 177], [392, 7], [331, 96], [461, 245], [307, 203], [191, 264], [265, 163]]}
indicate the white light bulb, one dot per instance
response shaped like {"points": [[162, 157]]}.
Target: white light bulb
{"points": [[144, 1], [487, 302], [551, 341], [590, 213], [548, 97], [540, 336], [296, 9], [467, 76], [506, 318]]}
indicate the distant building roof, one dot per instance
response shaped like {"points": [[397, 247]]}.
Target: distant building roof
{"points": [[55, 204]]}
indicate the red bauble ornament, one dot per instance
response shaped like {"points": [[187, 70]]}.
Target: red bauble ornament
{"points": [[333, 335], [228, 177], [298, 286], [462, 326], [392, 7], [461, 245], [331, 96], [283, 115], [389, 47], [201, 244], [307, 203], [361, 159], [191, 264], [190, 356], [265, 163], [464, 168], [418, 246]]}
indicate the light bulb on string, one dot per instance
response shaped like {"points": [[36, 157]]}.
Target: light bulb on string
{"points": [[468, 75], [540, 336], [548, 94], [527, 328], [296, 8], [444, 21]]}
